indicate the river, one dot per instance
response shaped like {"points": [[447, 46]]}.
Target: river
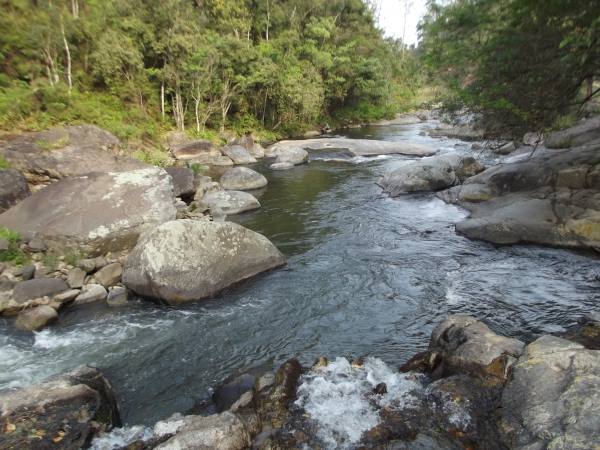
{"points": [[367, 275]]}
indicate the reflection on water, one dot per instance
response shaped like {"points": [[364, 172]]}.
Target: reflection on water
{"points": [[367, 275]]}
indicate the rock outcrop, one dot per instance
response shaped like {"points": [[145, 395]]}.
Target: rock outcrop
{"points": [[187, 260], [431, 174], [66, 152], [584, 133], [13, 188], [242, 179], [354, 147], [65, 412], [230, 202], [544, 196], [197, 151], [95, 213]]}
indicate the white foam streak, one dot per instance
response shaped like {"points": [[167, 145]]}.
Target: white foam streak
{"points": [[121, 437]]}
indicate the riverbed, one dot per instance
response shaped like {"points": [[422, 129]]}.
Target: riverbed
{"points": [[367, 275]]}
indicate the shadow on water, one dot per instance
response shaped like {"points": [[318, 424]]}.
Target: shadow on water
{"points": [[366, 275]]}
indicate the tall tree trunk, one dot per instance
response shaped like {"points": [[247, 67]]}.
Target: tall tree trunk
{"points": [[162, 99], [68, 53], [590, 87], [268, 20], [75, 9]]}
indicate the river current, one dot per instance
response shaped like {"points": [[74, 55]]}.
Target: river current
{"points": [[367, 275]]}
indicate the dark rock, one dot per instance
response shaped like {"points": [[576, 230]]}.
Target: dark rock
{"points": [[28, 272], [7, 285], [184, 181], [70, 409], [231, 390], [96, 213], [186, 260], [32, 289], [4, 245], [37, 318], [242, 179], [13, 188]]}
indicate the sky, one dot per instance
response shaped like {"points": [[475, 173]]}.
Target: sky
{"points": [[391, 18]]}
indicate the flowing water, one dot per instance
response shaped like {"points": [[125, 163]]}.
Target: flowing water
{"points": [[367, 275]]}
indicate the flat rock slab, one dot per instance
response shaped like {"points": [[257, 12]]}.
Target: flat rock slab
{"points": [[96, 213], [230, 202], [552, 399], [193, 150], [186, 260], [430, 174], [66, 152], [242, 179], [32, 289], [354, 147], [73, 402]]}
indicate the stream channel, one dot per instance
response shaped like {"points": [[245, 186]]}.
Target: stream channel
{"points": [[367, 275]]}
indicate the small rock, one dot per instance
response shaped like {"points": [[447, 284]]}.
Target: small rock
{"points": [[12, 308], [76, 277], [56, 306], [265, 380], [4, 245], [100, 262], [320, 362], [422, 133], [36, 246], [66, 297], [87, 265], [58, 266], [91, 293], [109, 275], [7, 285], [42, 272], [281, 166], [28, 272], [122, 260], [36, 319], [506, 149], [476, 146], [243, 401], [19, 271], [118, 297]]}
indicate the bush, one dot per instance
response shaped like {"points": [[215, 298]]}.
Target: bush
{"points": [[4, 164]]}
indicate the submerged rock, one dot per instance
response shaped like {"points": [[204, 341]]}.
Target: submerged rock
{"points": [[430, 174], [65, 412], [281, 166], [187, 260], [95, 213], [242, 179]]}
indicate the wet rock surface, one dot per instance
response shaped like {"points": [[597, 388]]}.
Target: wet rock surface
{"points": [[186, 260], [64, 413]]}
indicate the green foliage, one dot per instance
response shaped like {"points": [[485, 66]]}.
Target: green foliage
{"points": [[154, 157], [10, 236], [519, 64], [4, 164], [13, 253], [72, 258], [47, 146], [197, 168], [49, 259]]}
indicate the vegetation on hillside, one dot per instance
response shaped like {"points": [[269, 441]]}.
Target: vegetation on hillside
{"points": [[519, 64], [137, 67]]}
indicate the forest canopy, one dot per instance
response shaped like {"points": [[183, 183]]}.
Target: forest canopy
{"points": [[134, 66], [518, 64]]}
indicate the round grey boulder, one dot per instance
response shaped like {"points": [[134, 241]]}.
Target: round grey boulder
{"points": [[186, 260], [242, 179], [281, 166], [293, 155], [238, 154], [230, 202], [37, 318]]}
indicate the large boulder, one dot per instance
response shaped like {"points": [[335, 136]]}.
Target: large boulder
{"points": [[37, 318], [292, 155], [186, 260], [552, 399], [13, 188], [245, 141], [65, 412], [184, 181], [230, 202], [238, 154], [41, 287], [96, 213], [218, 432], [430, 174], [65, 152], [354, 147], [199, 151], [586, 132], [549, 197], [242, 179]]}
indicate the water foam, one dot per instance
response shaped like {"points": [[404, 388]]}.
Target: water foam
{"points": [[121, 437], [340, 398]]}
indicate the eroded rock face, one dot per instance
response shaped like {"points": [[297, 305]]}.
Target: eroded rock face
{"points": [[95, 213], [548, 197], [430, 174], [553, 397], [71, 409], [242, 179], [355, 147], [230, 202], [66, 152], [187, 260], [13, 188]]}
